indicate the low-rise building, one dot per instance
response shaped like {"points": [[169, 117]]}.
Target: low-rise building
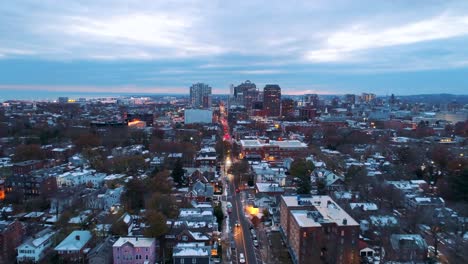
{"points": [[74, 247], [407, 248], [134, 250], [35, 247], [198, 253]]}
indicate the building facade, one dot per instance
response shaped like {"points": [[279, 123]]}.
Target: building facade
{"points": [[11, 235], [317, 230], [134, 250], [272, 100], [200, 95], [246, 94]]}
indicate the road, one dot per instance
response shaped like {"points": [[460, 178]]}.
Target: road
{"points": [[242, 236]]}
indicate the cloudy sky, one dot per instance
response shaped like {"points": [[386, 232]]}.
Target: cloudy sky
{"points": [[401, 47]]}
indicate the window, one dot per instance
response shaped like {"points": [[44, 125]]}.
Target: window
{"points": [[342, 232], [194, 261], [181, 261], [146, 256]]}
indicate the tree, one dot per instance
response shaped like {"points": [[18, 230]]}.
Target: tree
{"points": [[459, 183], [28, 152], [162, 203], [302, 169], [119, 228], [218, 212], [133, 197], [356, 177], [157, 224], [178, 173], [239, 168], [87, 140]]}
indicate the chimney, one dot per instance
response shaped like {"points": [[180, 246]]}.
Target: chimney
{"points": [[77, 238], [136, 238]]}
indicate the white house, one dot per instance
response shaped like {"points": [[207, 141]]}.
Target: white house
{"points": [[111, 197], [79, 177], [34, 248]]}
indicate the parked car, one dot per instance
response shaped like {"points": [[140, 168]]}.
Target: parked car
{"points": [[241, 258], [255, 242]]}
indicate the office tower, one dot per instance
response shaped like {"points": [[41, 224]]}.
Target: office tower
{"points": [[200, 95], [246, 93], [272, 100], [287, 107]]}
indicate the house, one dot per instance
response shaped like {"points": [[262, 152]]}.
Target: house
{"points": [[134, 250], [185, 253], [102, 253], [332, 181], [407, 248], [11, 235], [201, 192], [35, 247], [111, 197], [272, 189], [74, 247]]}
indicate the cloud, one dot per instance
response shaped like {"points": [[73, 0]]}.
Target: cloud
{"points": [[343, 44]]}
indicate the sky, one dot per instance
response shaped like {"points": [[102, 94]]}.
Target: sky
{"points": [[325, 47]]}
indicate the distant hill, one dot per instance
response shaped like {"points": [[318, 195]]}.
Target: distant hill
{"points": [[435, 98]]}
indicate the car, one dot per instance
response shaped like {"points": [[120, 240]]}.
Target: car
{"points": [[237, 190], [241, 258], [237, 223], [255, 243]]}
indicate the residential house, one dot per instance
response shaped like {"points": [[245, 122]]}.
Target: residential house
{"points": [[75, 246], [188, 253], [134, 250], [102, 253], [407, 248], [35, 247]]}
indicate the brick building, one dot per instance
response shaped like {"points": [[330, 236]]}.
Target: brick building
{"points": [[317, 230], [11, 236], [273, 150]]}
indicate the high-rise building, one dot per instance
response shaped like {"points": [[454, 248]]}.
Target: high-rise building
{"points": [[318, 230], [200, 95], [367, 97], [246, 93], [272, 100], [287, 107]]}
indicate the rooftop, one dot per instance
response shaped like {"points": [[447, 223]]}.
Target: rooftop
{"points": [[135, 241], [323, 204], [75, 241]]}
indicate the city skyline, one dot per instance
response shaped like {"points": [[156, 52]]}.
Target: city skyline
{"points": [[310, 47]]}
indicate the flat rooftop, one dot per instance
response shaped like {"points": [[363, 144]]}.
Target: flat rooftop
{"points": [[328, 210]]}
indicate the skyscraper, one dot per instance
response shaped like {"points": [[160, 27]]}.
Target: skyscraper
{"points": [[272, 100], [246, 93], [200, 95]]}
